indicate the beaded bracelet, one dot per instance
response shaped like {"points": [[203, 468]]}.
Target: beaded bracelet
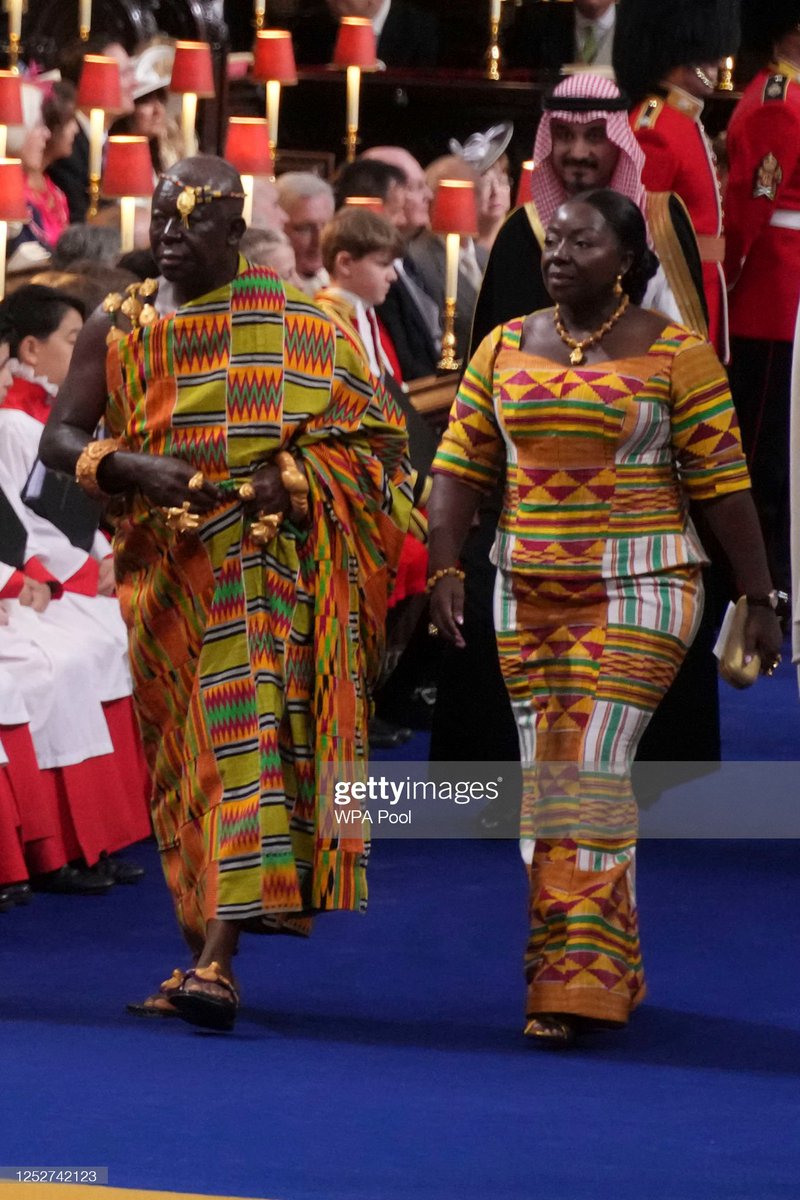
{"points": [[433, 579]]}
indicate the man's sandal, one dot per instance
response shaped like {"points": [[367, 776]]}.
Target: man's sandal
{"points": [[159, 1004], [198, 1007], [549, 1030]]}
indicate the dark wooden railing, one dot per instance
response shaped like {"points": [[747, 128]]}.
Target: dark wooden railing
{"points": [[420, 110]]}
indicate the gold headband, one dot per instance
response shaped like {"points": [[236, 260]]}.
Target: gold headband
{"points": [[193, 194]]}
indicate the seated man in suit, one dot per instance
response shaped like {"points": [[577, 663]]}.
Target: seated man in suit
{"points": [[545, 36], [406, 34], [411, 317], [309, 202]]}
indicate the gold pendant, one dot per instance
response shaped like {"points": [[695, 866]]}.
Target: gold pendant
{"points": [[576, 357], [148, 315]]}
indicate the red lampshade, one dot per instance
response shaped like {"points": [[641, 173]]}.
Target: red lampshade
{"points": [[99, 84], [192, 69], [355, 44], [273, 56], [128, 167], [10, 99], [247, 145], [524, 187], [12, 191], [454, 209], [371, 203]]}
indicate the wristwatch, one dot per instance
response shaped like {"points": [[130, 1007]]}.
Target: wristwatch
{"points": [[773, 600]]}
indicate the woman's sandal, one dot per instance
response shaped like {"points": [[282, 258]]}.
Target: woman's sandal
{"points": [[547, 1029], [159, 1004], [198, 1007]]}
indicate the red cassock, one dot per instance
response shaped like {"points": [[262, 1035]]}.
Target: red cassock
{"points": [[763, 206], [679, 158]]}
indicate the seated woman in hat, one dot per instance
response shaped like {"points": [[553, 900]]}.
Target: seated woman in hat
{"points": [[150, 117]]}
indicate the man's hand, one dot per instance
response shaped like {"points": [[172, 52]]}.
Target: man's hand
{"points": [[165, 481], [35, 595], [271, 496], [106, 583]]}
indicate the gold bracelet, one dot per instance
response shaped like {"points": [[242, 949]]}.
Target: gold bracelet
{"points": [[296, 484], [433, 579], [88, 462]]}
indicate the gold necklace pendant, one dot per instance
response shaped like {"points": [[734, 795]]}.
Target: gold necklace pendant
{"points": [[577, 348]]}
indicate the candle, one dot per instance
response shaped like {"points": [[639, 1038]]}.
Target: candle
{"points": [[494, 14], [96, 125], [14, 9], [353, 85], [85, 18], [260, 11], [452, 247], [273, 111], [247, 188], [188, 121], [127, 222]]}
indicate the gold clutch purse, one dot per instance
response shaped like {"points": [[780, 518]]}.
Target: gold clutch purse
{"points": [[730, 648]]}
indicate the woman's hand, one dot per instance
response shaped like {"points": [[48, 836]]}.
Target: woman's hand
{"points": [[763, 636], [447, 609]]}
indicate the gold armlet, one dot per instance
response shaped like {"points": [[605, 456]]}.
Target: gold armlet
{"points": [[296, 484], [88, 462]]}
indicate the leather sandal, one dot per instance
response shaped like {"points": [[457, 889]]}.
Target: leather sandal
{"points": [[198, 1007], [548, 1029], [159, 1004]]}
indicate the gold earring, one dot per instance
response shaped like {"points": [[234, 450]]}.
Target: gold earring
{"points": [[618, 286]]}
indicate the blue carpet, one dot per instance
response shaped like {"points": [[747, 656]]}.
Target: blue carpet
{"points": [[384, 1059], [762, 724]]}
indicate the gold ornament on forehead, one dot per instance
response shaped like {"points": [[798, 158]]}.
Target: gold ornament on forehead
{"points": [[186, 202], [190, 195]]}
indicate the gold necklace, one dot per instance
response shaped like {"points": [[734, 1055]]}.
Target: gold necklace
{"points": [[577, 356]]}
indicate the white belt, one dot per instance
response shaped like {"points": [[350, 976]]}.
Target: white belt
{"points": [[785, 218]]}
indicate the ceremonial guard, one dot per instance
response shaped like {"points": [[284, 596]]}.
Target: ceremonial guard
{"points": [[668, 78], [763, 261]]}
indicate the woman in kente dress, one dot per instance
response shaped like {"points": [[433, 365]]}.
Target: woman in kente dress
{"points": [[605, 420]]}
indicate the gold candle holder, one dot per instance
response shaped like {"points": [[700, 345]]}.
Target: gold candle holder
{"points": [[353, 90], [493, 57], [84, 32], [13, 53], [273, 114], [448, 361], [94, 196], [15, 9], [725, 77]]}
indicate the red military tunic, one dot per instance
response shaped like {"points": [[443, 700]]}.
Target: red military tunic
{"points": [[679, 158], [763, 206]]}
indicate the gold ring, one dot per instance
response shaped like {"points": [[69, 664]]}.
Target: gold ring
{"points": [[247, 492], [433, 630], [196, 482]]}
